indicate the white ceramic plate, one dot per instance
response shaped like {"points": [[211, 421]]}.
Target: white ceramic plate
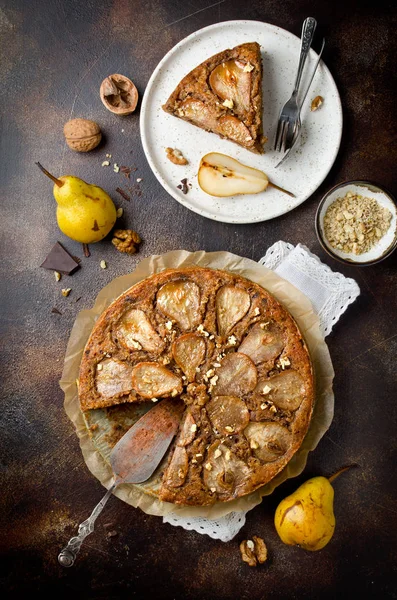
{"points": [[304, 170]]}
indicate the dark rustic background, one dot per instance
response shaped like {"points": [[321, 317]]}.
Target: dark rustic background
{"points": [[54, 56]]}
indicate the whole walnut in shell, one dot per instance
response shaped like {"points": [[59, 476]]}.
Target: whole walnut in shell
{"points": [[82, 135]]}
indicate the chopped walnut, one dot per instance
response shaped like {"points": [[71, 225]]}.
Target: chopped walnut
{"points": [[176, 156], [253, 551], [228, 103], [355, 224], [316, 103], [126, 240]]}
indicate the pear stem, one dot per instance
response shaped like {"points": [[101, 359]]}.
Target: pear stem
{"points": [[280, 189], [57, 182], [341, 470]]}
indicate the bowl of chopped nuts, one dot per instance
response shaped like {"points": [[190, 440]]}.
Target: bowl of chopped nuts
{"points": [[356, 223]]}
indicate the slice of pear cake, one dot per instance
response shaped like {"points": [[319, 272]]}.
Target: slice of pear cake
{"points": [[223, 95]]}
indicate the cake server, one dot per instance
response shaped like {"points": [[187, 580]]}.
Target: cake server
{"points": [[134, 459]]}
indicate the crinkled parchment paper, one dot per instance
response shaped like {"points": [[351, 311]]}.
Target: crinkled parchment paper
{"points": [[298, 305]]}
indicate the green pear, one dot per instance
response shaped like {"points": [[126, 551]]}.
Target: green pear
{"points": [[306, 517], [85, 212]]}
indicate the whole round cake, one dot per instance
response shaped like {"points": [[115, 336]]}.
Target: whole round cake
{"points": [[231, 353]]}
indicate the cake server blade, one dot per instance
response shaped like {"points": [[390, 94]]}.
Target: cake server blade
{"points": [[134, 459], [138, 453]]}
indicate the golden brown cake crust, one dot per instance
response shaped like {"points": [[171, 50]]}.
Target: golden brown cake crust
{"points": [[231, 352], [195, 85]]}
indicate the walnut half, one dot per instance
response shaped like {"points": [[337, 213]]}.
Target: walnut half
{"points": [[126, 240], [253, 551], [176, 156]]}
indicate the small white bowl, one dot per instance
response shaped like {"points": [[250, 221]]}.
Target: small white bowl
{"points": [[384, 247]]}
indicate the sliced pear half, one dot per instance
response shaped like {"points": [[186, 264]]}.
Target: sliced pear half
{"points": [[222, 176]]}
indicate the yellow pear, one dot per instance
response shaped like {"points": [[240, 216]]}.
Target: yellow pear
{"points": [[85, 212], [306, 517]]}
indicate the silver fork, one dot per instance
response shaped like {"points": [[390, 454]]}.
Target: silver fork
{"points": [[298, 124], [289, 114]]}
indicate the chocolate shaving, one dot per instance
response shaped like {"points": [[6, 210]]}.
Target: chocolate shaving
{"points": [[123, 194], [77, 299], [86, 250], [56, 311], [126, 171]]}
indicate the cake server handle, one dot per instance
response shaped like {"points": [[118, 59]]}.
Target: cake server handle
{"points": [[67, 556]]}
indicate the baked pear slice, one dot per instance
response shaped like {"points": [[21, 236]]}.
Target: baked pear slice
{"points": [[232, 304], [264, 342], [236, 376], [135, 331], [223, 176], [228, 414], [286, 390], [268, 440], [113, 378], [180, 300], [151, 380], [189, 352]]}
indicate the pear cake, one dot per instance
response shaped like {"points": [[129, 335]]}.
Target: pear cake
{"points": [[229, 351], [223, 95]]}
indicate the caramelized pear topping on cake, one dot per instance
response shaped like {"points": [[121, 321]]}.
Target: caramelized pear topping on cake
{"points": [[230, 81], [113, 377], [228, 414], [223, 472], [151, 380], [237, 376], [235, 130], [263, 343], [180, 300], [197, 112], [232, 304], [287, 389], [189, 352], [176, 472], [135, 331], [269, 441], [188, 430]]}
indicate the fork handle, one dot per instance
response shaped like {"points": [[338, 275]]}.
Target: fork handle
{"points": [[308, 29]]}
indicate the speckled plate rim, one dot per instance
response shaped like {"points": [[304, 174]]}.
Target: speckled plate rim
{"points": [[327, 249], [145, 117]]}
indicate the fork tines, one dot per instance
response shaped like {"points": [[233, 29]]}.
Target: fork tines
{"points": [[281, 134]]}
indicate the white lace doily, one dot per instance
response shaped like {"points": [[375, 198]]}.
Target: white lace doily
{"points": [[330, 294], [224, 528]]}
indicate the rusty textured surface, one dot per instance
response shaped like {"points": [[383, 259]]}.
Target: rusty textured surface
{"points": [[54, 56]]}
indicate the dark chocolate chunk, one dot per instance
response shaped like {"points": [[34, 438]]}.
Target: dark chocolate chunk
{"points": [[60, 260], [184, 187]]}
